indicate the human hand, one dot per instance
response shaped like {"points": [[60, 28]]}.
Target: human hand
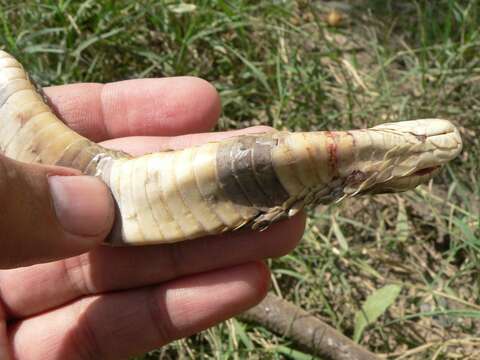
{"points": [[117, 302]]}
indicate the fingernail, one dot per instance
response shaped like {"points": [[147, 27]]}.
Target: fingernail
{"points": [[83, 204]]}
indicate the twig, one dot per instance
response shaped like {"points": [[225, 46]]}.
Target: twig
{"points": [[287, 319]]}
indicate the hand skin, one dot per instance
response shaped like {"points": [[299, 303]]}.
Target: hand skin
{"points": [[75, 299]]}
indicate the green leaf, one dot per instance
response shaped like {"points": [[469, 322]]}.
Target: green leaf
{"points": [[375, 305]]}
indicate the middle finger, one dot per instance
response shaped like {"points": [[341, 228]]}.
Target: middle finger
{"points": [[31, 290]]}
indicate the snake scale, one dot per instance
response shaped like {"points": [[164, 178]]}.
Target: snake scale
{"points": [[243, 181]]}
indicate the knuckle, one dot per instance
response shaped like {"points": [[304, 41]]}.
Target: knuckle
{"points": [[77, 274]]}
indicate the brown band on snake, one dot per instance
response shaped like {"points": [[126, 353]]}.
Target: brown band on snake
{"points": [[244, 173], [264, 171], [227, 181]]}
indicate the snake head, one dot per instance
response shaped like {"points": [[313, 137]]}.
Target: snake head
{"points": [[421, 148]]}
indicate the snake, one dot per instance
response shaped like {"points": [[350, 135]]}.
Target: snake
{"points": [[242, 182]]}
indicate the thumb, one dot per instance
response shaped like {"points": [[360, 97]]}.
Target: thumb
{"points": [[48, 214]]}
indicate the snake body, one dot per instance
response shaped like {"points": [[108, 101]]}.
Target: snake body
{"points": [[243, 181]]}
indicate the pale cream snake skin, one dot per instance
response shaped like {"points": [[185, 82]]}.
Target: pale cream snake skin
{"points": [[244, 181]]}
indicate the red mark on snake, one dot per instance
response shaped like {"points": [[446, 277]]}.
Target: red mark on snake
{"points": [[332, 151]]}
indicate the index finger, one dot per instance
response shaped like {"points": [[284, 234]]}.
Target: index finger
{"points": [[167, 106]]}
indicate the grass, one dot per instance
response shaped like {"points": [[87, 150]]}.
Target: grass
{"points": [[279, 63]]}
